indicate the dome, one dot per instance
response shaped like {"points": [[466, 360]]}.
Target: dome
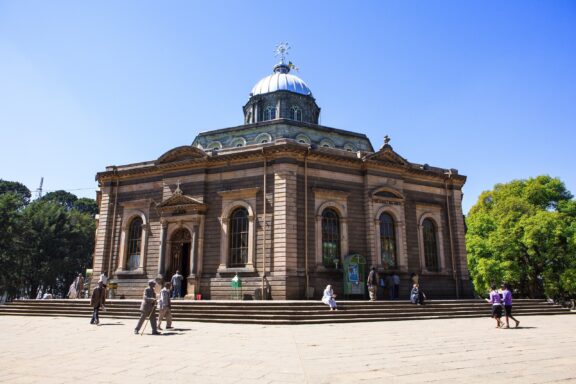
{"points": [[281, 80]]}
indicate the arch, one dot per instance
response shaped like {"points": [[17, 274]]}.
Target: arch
{"points": [[263, 138], [430, 241], [214, 145], [387, 193], [350, 147], [185, 152], [327, 143], [238, 142], [302, 139]]}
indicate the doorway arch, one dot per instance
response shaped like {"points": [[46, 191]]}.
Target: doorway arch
{"points": [[179, 260]]}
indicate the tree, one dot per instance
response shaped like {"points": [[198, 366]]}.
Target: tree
{"points": [[65, 199], [17, 188], [43, 243], [524, 232]]}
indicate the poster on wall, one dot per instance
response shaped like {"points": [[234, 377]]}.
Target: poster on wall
{"points": [[353, 273]]}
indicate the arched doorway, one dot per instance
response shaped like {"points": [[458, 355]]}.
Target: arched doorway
{"points": [[180, 244]]}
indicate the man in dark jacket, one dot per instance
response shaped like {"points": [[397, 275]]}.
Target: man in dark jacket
{"points": [[148, 308], [97, 300]]}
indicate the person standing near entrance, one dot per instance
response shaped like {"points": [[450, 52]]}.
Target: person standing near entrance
{"points": [[148, 308], [177, 284], [372, 283], [395, 286], [79, 286], [97, 300], [507, 301], [164, 310]]}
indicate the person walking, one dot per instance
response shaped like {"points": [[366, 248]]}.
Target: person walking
{"points": [[507, 301], [97, 300], [164, 310], [329, 298], [372, 283], [496, 302], [148, 308], [177, 284], [395, 286]]}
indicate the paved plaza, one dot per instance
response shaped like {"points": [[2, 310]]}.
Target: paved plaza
{"points": [[70, 350]]}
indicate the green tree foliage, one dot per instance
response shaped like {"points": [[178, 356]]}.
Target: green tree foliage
{"points": [[17, 188], [524, 232], [45, 242]]}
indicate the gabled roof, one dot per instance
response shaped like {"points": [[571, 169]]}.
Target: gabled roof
{"points": [[180, 202], [387, 155]]}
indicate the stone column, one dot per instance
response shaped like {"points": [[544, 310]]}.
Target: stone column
{"points": [[162, 257]]}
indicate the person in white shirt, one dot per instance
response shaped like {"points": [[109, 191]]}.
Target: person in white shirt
{"points": [[164, 307]]}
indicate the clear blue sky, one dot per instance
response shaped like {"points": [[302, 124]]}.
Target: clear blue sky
{"points": [[487, 87]]}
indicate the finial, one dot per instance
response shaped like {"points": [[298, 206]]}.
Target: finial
{"points": [[282, 51], [178, 191], [386, 139]]}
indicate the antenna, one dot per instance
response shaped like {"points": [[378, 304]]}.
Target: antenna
{"points": [[39, 190]]}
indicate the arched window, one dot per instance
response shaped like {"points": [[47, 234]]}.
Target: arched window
{"points": [[238, 237], [134, 244], [330, 238], [296, 113], [269, 113], [430, 245], [387, 240]]}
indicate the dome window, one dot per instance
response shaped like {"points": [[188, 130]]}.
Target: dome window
{"points": [[296, 113], [214, 145], [302, 139], [269, 113], [263, 138], [238, 142], [326, 143], [349, 147]]}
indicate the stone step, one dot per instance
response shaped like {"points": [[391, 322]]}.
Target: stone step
{"points": [[280, 312]]}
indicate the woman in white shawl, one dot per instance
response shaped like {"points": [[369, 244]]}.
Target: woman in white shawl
{"points": [[328, 298]]}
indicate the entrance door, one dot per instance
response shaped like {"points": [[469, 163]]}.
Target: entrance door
{"points": [[180, 256]]}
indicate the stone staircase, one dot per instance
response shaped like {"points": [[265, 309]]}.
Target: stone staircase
{"points": [[282, 312]]}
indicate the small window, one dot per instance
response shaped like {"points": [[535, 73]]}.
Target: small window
{"points": [[303, 139], [430, 245], [330, 238], [134, 244]]}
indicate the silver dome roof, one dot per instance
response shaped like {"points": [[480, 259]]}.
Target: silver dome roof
{"points": [[281, 80]]}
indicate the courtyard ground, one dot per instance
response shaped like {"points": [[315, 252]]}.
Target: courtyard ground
{"points": [[70, 350]]}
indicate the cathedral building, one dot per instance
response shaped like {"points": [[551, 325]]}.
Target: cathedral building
{"points": [[280, 202]]}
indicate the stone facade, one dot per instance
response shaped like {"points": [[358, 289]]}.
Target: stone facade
{"points": [[270, 201]]}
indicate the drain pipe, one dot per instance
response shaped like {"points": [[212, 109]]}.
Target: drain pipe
{"points": [[264, 228], [112, 234], [454, 274]]}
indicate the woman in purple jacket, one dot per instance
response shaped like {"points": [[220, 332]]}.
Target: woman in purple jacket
{"points": [[496, 302], [507, 299]]}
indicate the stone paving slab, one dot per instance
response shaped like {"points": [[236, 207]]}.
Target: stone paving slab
{"points": [[70, 350]]}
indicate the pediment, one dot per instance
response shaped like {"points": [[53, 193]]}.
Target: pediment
{"points": [[185, 152], [181, 203], [387, 155]]}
